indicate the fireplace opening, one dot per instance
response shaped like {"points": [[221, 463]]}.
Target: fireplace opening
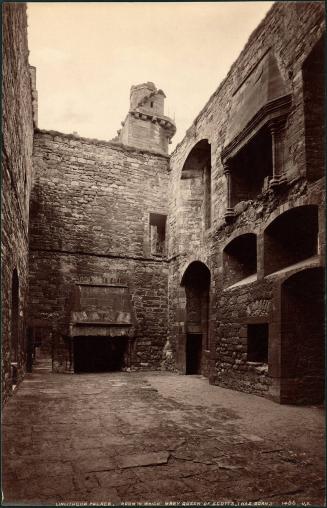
{"points": [[99, 354]]}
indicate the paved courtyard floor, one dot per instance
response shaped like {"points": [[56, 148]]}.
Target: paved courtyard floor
{"points": [[156, 438]]}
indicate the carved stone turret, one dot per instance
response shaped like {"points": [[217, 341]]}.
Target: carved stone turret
{"points": [[146, 126]]}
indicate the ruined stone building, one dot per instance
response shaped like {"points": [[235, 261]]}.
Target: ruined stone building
{"points": [[117, 256]]}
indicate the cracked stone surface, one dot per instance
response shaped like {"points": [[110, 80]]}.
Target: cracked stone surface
{"points": [[156, 437]]}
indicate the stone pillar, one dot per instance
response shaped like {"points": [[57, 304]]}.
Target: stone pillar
{"points": [[276, 131], [229, 210]]}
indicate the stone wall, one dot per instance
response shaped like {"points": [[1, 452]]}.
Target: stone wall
{"points": [[17, 145], [90, 209], [290, 33], [238, 308]]}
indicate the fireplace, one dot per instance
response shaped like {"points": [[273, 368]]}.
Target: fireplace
{"points": [[102, 327]]}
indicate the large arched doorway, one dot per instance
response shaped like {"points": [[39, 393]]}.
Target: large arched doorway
{"points": [[196, 281], [195, 195], [302, 338], [14, 339]]}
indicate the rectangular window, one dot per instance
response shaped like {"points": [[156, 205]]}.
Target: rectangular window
{"points": [[157, 234], [258, 343]]}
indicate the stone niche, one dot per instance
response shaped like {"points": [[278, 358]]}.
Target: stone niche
{"points": [[101, 326]]}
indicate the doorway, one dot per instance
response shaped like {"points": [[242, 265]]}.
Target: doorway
{"points": [[193, 353], [195, 339]]}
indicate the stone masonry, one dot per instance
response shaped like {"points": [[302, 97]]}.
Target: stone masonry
{"points": [[17, 147], [291, 34], [91, 218]]}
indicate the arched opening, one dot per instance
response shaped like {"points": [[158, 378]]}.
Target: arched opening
{"points": [[240, 259], [302, 338], [14, 339], [195, 192], [291, 238], [196, 281], [313, 74]]}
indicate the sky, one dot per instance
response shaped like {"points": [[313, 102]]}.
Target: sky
{"points": [[88, 55]]}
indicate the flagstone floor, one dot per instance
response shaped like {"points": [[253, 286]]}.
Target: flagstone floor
{"points": [[120, 438]]}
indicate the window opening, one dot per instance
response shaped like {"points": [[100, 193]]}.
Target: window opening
{"points": [[157, 234]]}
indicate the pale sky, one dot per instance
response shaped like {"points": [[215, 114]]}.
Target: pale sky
{"points": [[89, 54]]}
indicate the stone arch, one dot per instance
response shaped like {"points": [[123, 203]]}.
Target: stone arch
{"points": [[196, 283], [302, 337], [238, 232], [195, 267], [313, 199], [193, 257]]}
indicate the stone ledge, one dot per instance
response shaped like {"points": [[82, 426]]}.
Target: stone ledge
{"points": [[99, 254], [100, 142]]}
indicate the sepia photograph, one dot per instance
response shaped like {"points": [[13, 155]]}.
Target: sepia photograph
{"points": [[163, 252]]}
